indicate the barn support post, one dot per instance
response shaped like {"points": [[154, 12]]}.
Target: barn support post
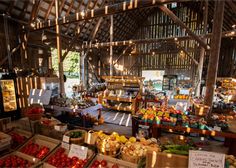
{"points": [[59, 50], [202, 51], [215, 51], [111, 47]]}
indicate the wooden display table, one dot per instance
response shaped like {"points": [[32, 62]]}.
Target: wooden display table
{"points": [[156, 129]]}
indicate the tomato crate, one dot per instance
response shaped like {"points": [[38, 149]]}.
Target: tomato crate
{"points": [[5, 141], [46, 164], [39, 146], [19, 137], [22, 162], [108, 161]]}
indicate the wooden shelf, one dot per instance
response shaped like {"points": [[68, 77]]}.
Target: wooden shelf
{"points": [[120, 99], [118, 108]]}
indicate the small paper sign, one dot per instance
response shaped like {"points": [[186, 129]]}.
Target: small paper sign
{"points": [[65, 145], [203, 159], [66, 139], [78, 151], [216, 128]]}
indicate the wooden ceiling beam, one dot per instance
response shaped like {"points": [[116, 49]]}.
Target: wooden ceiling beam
{"points": [[105, 11], [49, 10], [34, 11], [62, 6], [77, 10], [10, 7], [22, 14]]}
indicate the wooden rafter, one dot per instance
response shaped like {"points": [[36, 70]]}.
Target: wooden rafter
{"points": [[111, 9], [22, 14], [62, 5], [34, 11], [49, 9], [182, 25], [77, 10], [10, 7]]}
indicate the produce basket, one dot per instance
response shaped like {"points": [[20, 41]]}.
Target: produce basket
{"points": [[77, 132], [42, 142], [33, 162], [110, 161], [46, 163], [133, 152], [201, 110], [108, 146], [19, 137], [5, 141]]}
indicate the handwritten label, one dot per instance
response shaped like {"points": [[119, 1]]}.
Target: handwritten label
{"points": [[65, 146], [78, 151], [203, 159], [66, 139]]}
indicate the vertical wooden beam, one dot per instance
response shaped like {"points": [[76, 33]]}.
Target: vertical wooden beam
{"points": [[111, 48], [202, 51], [215, 51], [82, 70], [59, 50]]}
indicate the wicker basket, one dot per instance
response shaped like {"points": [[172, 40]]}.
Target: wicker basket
{"points": [[132, 159], [77, 140]]}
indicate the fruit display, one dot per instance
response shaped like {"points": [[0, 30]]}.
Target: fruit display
{"points": [[60, 159], [35, 150], [35, 113], [108, 144], [76, 134], [14, 161], [181, 96], [71, 102], [230, 161]]}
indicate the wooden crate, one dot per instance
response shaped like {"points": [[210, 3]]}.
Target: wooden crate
{"points": [[42, 141], [5, 141], [165, 160], [90, 156], [110, 160], [24, 133], [34, 161]]}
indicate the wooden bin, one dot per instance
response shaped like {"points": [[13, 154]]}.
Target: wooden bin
{"points": [[165, 160], [111, 161], [34, 161], [90, 156], [24, 133], [42, 141], [201, 110], [5, 141]]}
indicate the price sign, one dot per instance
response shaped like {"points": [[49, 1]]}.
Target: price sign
{"points": [[65, 146], [216, 128], [66, 139], [78, 151], [203, 159]]}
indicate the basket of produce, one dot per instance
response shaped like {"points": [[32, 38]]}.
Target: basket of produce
{"points": [[76, 136], [133, 152], [35, 112], [108, 144]]}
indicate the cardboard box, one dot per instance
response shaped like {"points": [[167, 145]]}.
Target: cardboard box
{"points": [[165, 160], [110, 161]]}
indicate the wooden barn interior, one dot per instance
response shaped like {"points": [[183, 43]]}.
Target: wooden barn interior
{"points": [[118, 83]]}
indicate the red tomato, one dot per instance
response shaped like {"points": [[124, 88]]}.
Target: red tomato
{"points": [[96, 163], [115, 166], [104, 163]]}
